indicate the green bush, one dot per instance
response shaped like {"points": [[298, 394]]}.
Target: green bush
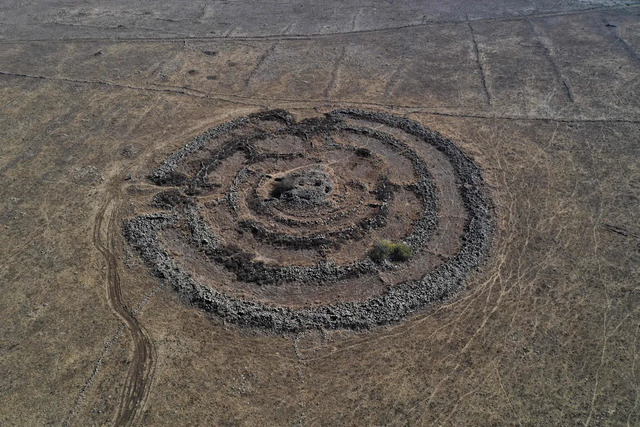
{"points": [[386, 250], [400, 252], [380, 251]]}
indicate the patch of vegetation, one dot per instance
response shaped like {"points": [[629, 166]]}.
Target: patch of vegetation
{"points": [[387, 250]]}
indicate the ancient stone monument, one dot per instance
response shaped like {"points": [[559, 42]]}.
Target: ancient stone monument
{"points": [[268, 222]]}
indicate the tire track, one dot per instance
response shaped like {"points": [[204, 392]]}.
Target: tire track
{"points": [[309, 36], [142, 368]]}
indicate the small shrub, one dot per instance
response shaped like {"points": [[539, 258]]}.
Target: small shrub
{"points": [[400, 252], [380, 251], [386, 250]]}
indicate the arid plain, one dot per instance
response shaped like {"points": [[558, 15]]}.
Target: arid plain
{"points": [[542, 95]]}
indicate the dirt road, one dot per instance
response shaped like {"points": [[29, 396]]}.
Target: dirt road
{"points": [[138, 381]]}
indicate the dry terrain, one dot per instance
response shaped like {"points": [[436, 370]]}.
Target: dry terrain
{"points": [[542, 95]]}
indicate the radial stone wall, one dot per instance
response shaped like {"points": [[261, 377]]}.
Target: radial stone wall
{"points": [[268, 222]]}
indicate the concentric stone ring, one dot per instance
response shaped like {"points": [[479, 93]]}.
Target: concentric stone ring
{"points": [[268, 222], [309, 186]]}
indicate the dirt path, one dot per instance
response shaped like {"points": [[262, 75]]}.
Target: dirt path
{"points": [[138, 381]]}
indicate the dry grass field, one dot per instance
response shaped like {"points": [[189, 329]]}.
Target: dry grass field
{"points": [[543, 95]]}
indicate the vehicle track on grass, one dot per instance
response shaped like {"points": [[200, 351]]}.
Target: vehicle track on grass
{"points": [[142, 367], [181, 38]]}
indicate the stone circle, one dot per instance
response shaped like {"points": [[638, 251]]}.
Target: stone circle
{"points": [[268, 222]]}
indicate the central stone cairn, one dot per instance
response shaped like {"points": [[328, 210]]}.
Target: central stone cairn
{"points": [[310, 186], [268, 222]]}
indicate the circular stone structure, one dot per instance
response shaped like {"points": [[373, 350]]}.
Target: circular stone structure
{"points": [[269, 222], [307, 186]]}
